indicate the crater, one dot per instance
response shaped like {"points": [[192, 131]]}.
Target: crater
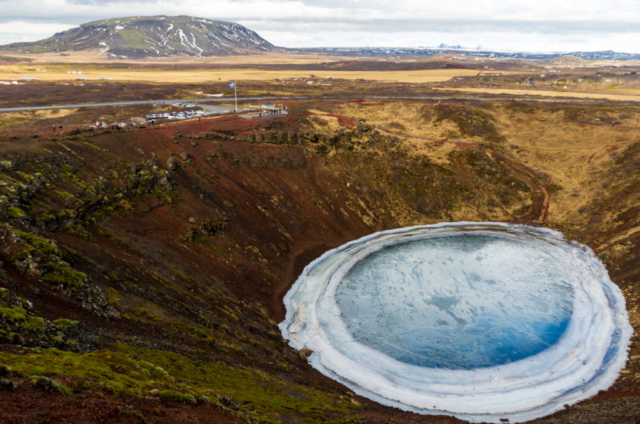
{"points": [[483, 321]]}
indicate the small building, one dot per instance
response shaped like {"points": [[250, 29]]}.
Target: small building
{"points": [[82, 79], [28, 79]]}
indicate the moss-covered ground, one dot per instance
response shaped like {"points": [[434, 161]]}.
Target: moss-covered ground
{"points": [[126, 370]]}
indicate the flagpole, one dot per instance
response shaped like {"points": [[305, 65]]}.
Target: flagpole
{"points": [[235, 90]]}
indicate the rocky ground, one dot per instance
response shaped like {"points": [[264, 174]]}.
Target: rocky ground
{"points": [[142, 271]]}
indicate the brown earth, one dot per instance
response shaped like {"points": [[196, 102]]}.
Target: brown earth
{"points": [[193, 232]]}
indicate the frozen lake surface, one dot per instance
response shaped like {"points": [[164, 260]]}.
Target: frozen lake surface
{"points": [[459, 302], [483, 321]]}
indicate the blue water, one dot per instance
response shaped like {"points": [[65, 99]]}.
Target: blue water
{"points": [[460, 302]]}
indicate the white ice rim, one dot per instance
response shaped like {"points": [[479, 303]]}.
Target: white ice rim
{"points": [[586, 359]]}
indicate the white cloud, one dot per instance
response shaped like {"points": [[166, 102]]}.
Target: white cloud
{"points": [[543, 25], [17, 31]]}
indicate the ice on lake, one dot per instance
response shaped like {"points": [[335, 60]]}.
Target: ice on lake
{"points": [[459, 302], [483, 321]]}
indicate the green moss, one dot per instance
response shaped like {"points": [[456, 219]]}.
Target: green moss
{"points": [[35, 323], [16, 212], [112, 297], [200, 332], [34, 243], [177, 396], [62, 274], [202, 241], [64, 194], [20, 317], [51, 386], [15, 314], [143, 313], [116, 388], [263, 396], [63, 324]]}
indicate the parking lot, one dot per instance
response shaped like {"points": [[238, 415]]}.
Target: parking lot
{"points": [[191, 112]]}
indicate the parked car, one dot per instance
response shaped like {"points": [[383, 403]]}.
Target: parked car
{"points": [[122, 125]]}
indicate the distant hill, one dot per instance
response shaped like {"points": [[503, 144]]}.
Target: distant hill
{"points": [[568, 60], [154, 36], [479, 51]]}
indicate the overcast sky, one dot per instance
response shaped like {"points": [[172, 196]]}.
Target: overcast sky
{"points": [[528, 25]]}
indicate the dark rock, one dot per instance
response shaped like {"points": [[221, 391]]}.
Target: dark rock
{"points": [[218, 227], [17, 339], [5, 371], [165, 182], [9, 385], [172, 163], [94, 300], [305, 353]]}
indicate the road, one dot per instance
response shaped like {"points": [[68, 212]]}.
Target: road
{"points": [[286, 98]]}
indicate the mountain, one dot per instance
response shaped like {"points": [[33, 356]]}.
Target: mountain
{"points": [[154, 36], [481, 52]]}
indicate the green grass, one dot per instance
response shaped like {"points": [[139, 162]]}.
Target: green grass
{"points": [[126, 370]]}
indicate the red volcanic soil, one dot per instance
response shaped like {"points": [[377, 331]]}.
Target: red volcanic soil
{"points": [[28, 405], [250, 204], [344, 121]]}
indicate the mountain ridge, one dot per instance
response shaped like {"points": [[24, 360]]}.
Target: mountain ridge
{"points": [[152, 36], [483, 52]]}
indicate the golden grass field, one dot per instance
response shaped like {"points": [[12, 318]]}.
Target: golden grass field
{"points": [[91, 56], [57, 66], [548, 93], [59, 73]]}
